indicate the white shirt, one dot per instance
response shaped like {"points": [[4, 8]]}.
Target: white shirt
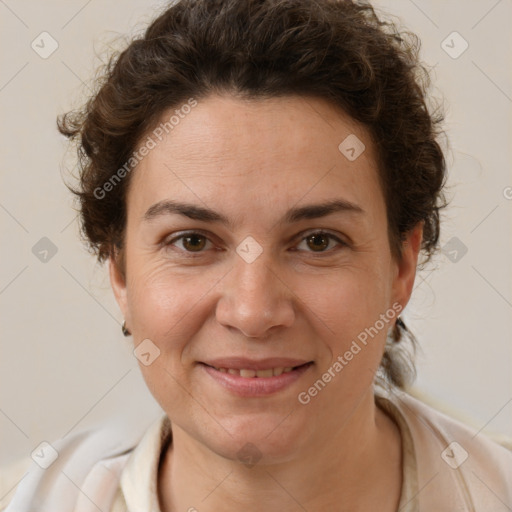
{"points": [[446, 467]]}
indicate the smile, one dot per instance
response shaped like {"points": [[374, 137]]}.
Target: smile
{"points": [[248, 382], [247, 373]]}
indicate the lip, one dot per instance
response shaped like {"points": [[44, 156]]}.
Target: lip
{"points": [[239, 363], [257, 386]]}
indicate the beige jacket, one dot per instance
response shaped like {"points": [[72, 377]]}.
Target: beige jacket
{"points": [[447, 467]]}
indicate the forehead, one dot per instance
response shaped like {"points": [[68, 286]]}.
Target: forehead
{"points": [[225, 149]]}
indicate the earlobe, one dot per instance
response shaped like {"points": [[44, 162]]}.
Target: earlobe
{"points": [[404, 279], [118, 283]]}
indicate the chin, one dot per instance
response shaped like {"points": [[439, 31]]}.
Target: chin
{"points": [[260, 438]]}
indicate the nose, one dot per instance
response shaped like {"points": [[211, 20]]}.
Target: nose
{"points": [[255, 298]]}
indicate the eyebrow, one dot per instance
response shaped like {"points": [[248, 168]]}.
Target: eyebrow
{"points": [[200, 213]]}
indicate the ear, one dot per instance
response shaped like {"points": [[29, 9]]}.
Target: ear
{"points": [[406, 268], [118, 283]]}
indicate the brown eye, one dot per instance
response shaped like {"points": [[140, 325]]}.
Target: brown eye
{"points": [[194, 243], [189, 243], [318, 241]]}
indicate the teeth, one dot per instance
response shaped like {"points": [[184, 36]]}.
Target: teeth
{"points": [[269, 372], [263, 373]]}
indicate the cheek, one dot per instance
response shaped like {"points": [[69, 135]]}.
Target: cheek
{"points": [[165, 309], [355, 313], [353, 309], [165, 305], [350, 299]]}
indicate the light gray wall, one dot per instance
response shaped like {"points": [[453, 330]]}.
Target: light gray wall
{"points": [[64, 363]]}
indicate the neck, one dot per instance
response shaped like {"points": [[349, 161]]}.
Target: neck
{"points": [[356, 468]]}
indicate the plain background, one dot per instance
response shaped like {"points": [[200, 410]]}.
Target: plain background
{"points": [[65, 365]]}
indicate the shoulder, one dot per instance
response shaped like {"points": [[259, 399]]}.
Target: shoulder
{"points": [[427, 417], [456, 464], [11, 475], [59, 475], [458, 417]]}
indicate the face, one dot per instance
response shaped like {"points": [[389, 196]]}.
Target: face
{"points": [[254, 243]]}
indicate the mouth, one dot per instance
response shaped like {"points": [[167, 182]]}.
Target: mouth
{"points": [[255, 382], [248, 373]]}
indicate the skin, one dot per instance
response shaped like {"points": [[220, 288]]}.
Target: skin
{"points": [[252, 161]]}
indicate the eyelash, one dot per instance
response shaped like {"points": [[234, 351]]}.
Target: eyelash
{"points": [[192, 254]]}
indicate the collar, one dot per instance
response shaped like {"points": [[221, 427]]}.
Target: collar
{"points": [[140, 476]]}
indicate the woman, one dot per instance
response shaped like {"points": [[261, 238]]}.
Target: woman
{"points": [[262, 177]]}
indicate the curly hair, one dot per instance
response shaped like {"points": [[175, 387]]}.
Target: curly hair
{"points": [[336, 50]]}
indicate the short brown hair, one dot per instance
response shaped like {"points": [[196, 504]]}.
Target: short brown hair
{"points": [[337, 50]]}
